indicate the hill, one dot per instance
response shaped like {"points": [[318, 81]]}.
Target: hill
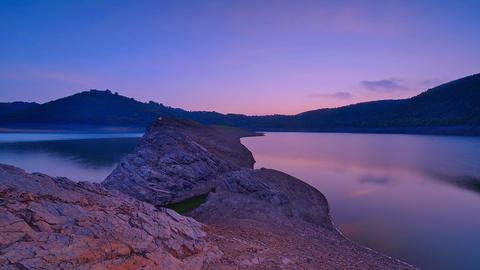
{"points": [[89, 108], [451, 104], [11, 107], [451, 108], [96, 108]]}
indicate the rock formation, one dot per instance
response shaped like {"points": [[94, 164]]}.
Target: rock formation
{"points": [[176, 160], [252, 219], [260, 219], [54, 223]]}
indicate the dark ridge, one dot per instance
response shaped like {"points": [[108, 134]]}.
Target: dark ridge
{"points": [[452, 108], [12, 107]]}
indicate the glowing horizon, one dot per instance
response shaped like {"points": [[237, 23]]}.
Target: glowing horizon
{"points": [[251, 57]]}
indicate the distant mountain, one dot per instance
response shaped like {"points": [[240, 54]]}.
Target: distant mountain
{"points": [[451, 108], [451, 104], [11, 107], [97, 108], [94, 108]]}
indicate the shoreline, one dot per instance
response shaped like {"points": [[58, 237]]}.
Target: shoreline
{"points": [[250, 219], [283, 211]]}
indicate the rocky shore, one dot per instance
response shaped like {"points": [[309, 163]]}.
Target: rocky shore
{"points": [[251, 219]]}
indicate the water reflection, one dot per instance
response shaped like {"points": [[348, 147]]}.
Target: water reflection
{"points": [[80, 159], [469, 182], [413, 197], [408, 196], [94, 153]]}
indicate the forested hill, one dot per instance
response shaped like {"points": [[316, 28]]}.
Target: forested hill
{"points": [[94, 107], [451, 104], [452, 108], [11, 107]]}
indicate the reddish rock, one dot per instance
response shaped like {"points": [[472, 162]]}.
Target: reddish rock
{"points": [[52, 223]]}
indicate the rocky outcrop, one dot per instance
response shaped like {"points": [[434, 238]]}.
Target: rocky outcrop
{"points": [[266, 198], [266, 219], [252, 219], [54, 223], [259, 219], [176, 160]]}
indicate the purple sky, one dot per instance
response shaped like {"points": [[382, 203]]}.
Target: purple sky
{"points": [[253, 57]]}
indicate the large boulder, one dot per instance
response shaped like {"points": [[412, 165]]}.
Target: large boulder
{"points": [[176, 160], [55, 223], [267, 198]]}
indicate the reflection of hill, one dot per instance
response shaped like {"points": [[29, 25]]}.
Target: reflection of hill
{"points": [[469, 182], [90, 152]]}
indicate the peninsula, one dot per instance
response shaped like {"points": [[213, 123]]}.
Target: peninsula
{"points": [[238, 217]]}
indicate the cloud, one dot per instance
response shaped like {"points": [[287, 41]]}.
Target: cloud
{"points": [[384, 85], [378, 180], [336, 95]]}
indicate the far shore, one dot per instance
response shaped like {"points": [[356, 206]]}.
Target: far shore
{"points": [[457, 131], [74, 130]]}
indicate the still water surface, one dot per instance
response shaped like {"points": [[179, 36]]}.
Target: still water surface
{"points": [[78, 156], [416, 198]]}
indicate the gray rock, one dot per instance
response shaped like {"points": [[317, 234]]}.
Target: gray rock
{"points": [[176, 160], [179, 159], [265, 198]]}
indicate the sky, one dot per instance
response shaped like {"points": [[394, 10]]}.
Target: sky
{"points": [[252, 57]]}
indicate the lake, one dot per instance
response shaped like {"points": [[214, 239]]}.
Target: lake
{"points": [[416, 198], [78, 156]]}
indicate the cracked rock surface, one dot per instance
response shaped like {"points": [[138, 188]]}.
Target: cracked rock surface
{"points": [[259, 219], [176, 160], [251, 219], [55, 223]]}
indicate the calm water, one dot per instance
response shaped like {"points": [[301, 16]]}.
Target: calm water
{"points": [[416, 198], [413, 197], [78, 156]]}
